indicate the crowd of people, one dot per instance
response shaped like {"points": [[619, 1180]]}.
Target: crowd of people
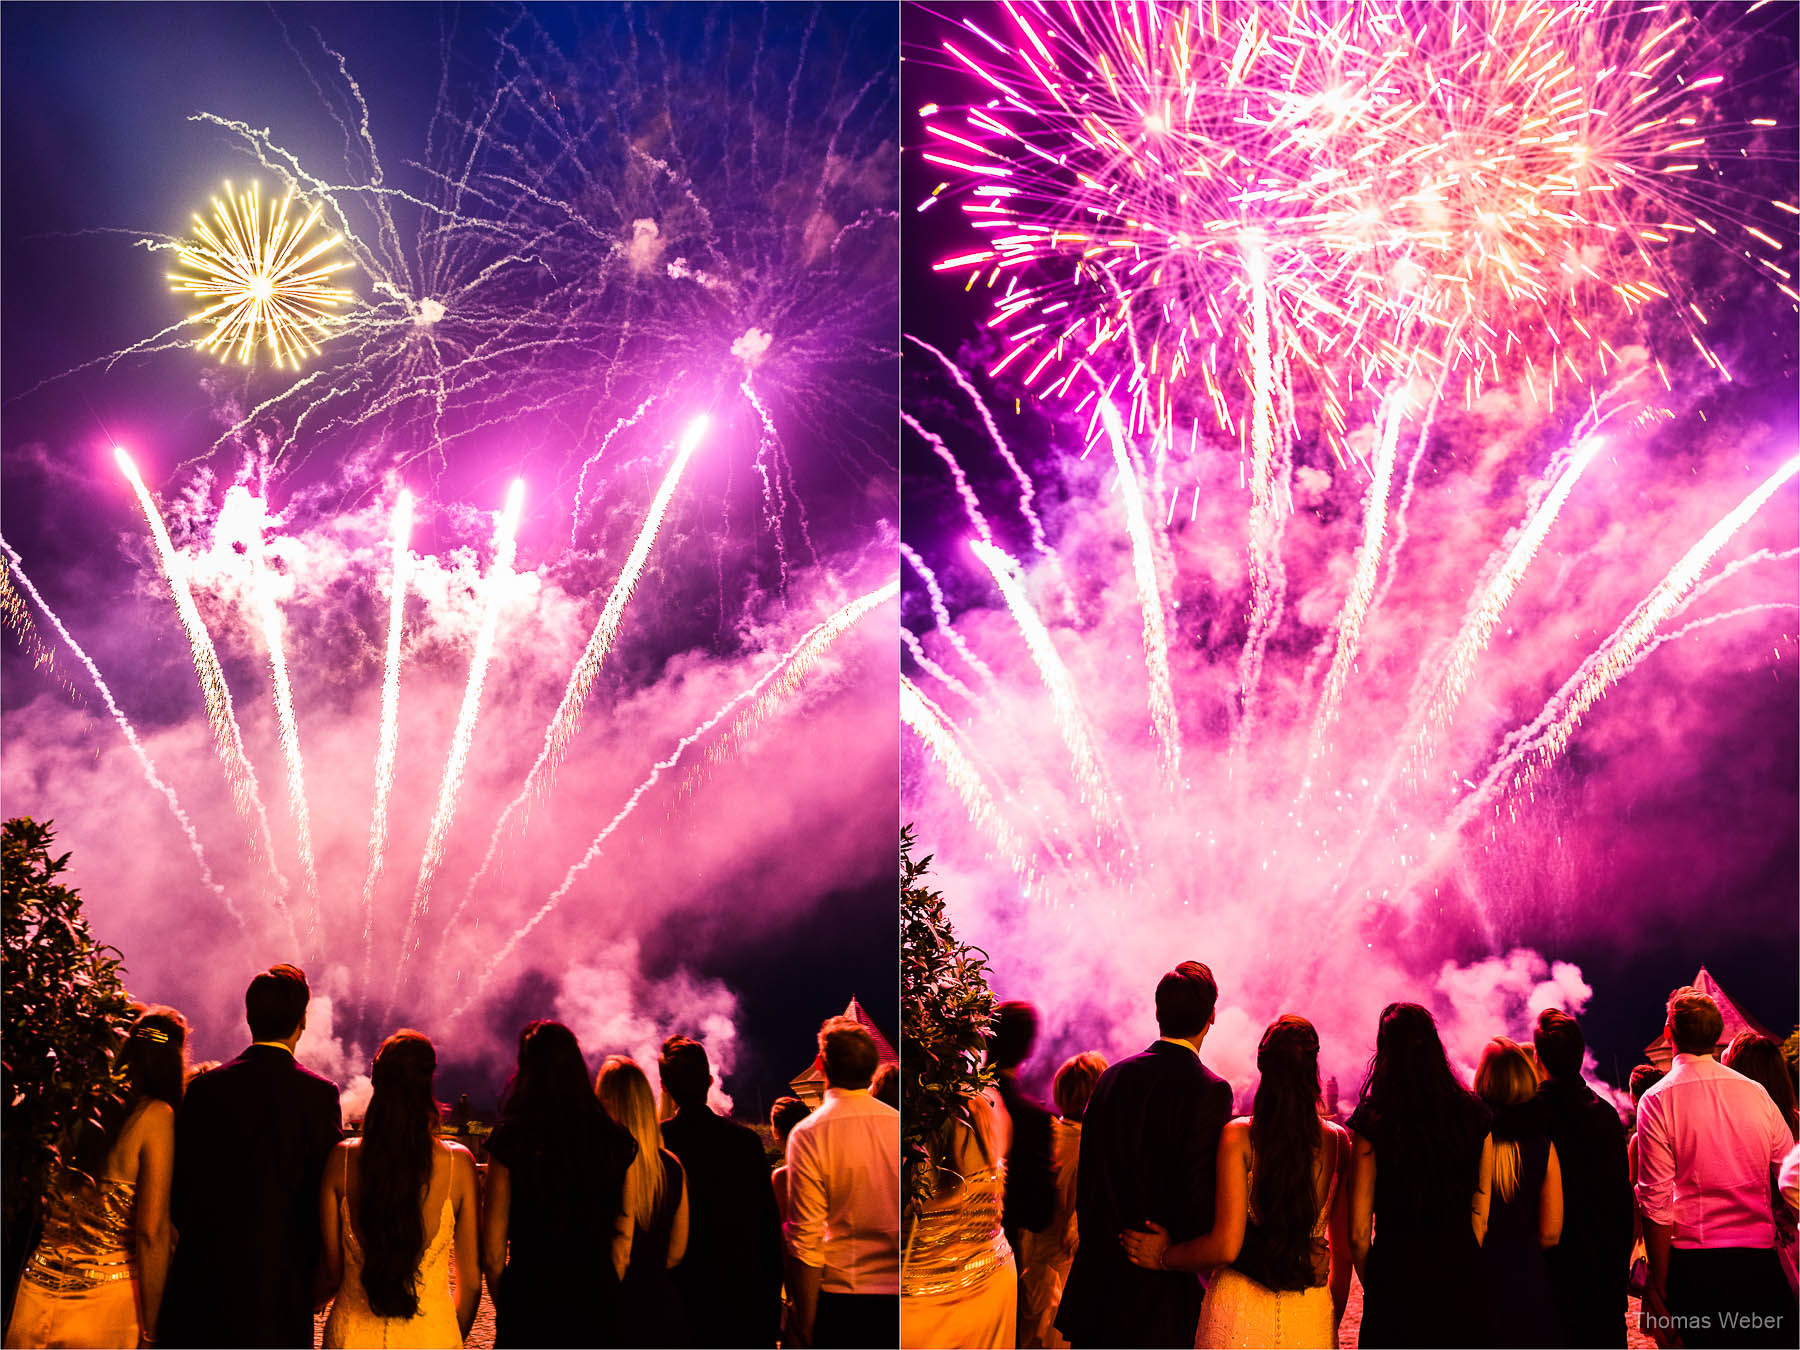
{"points": [[228, 1207], [1516, 1211]]}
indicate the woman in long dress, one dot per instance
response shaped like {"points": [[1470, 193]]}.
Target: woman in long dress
{"points": [[1281, 1228], [97, 1274], [1049, 1252], [1525, 1213], [1422, 1166], [959, 1283], [396, 1207], [656, 1208], [554, 1237]]}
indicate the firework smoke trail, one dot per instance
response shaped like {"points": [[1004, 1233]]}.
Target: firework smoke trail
{"points": [[657, 770], [934, 728], [1527, 751], [505, 548], [1093, 782], [1156, 637], [567, 719], [1027, 489], [800, 662], [932, 668], [228, 739], [774, 502], [941, 612], [1362, 581], [131, 738], [971, 503], [387, 750], [630, 420], [288, 724], [18, 618]]}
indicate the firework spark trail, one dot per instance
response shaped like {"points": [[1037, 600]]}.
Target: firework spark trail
{"points": [[288, 725], [1528, 750], [566, 721], [1402, 509], [1156, 637], [971, 504], [387, 749], [774, 500], [18, 618], [934, 728], [131, 738], [657, 770], [1027, 489], [1362, 581], [800, 663], [629, 420], [228, 738], [463, 737], [932, 668], [941, 612], [1093, 782], [1268, 574]]}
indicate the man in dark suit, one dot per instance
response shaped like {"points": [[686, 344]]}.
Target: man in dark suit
{"points": [[1589, 1265], [1030, 1200], [1149, 1144], [250, 1145], [730, 1279]]}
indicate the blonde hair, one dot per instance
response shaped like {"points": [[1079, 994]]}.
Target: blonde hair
{"points": [[624, 1091], [1506, 1078]]}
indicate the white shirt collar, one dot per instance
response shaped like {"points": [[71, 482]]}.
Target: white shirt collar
{"points": [[846, 1092]]}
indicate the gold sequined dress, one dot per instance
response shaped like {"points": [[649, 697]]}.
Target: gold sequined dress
{"points": [[80, 1287], [958, 1282]]}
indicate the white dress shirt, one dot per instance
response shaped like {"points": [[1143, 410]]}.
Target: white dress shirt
{"points": [[1707, 1140], [844, 1193]]}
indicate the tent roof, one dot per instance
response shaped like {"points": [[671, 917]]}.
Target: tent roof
{"points": [[1661, 1052], [815, 1072]]}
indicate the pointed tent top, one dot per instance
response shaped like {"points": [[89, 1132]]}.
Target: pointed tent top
{"points": [[810, 1086], [1661, 1052]]}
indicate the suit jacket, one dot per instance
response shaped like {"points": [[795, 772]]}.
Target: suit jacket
{"points": [[1030, 1201], [730, 1279], [251, 1141], [1596, 1240], [1149, 1150]]}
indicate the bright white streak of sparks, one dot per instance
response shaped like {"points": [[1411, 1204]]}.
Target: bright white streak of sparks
{"points": [[289, 727], [1156, 637], [567, 719], [971, 503], [933, 728], [1268, 575], [131, 739], [1090, 774], [228, 738], [941, 612], [656, 772], [388, 748], [462, 739]]}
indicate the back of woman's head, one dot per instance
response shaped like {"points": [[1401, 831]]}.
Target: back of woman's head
{"points": [[1284, 1138], [1425, 1112], [625, 1093], [395, 1156], [1505, 1078], [550, 1086], [1759, 1059], [153, 1062]]}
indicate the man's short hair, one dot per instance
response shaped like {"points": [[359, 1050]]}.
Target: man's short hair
{"points": [[785, 1114], [848, 1051], [1185, 999], [685, 1070], [1694, 1022], [1074, 1084], [1643, 1078], [1015, 1028], [1560, 1044], [275, 1003]]}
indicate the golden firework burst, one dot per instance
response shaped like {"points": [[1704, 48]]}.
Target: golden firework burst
{"points": [[261, 281]]}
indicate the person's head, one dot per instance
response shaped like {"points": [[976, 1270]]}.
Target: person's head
{"points": [[153, 1058], [1643, 1078], [1284, 1136], [550, 1084], [1015, 1029], [784, 1115], [686, 1073], [625, 1093], [1185, 1000], [1074, 1083], [275, 1004], [1695, 1025], [1505, 1076], [395, 1168], [885, 1085], [848, 1052], [1759, 1059], [1560, 1044], [1427, 1118]]}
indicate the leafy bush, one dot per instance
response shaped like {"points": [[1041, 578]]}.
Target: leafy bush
{"points": [[945, 1009], [64, 1011]]}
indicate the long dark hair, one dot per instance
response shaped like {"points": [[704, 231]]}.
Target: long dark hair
{"points": [[153, 1061], [396, 1169], [1425, 1113], [1759, 1059], [551, 1113], [1285, 1134]]}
